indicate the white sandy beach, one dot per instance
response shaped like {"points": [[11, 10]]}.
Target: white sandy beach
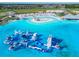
{"points": [[42, 20]]}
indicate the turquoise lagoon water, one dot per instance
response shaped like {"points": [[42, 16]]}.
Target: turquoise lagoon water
{"points": [[66, 30]]}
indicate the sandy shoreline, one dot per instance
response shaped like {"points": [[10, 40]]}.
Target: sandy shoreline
{"points": [[42, 20]]}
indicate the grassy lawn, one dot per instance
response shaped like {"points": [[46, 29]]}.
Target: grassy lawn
{"points": [[7, 19], [33, 10], [28, 10], [2, 16]]}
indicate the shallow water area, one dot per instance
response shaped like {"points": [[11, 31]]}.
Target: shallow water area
{"points": [[66, 30]]}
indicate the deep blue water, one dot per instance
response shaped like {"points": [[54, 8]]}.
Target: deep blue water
{"points": [[66, 30]]}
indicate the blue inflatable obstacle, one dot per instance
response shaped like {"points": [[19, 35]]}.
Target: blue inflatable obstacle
{"points": [[22, 40], [56, 44], [53, 43], [27, 35], [16, 37], [56, 41], [19, 45], [8, 40], [15, 46], [11, 39]]}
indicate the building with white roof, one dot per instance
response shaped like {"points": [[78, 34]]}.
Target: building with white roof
{"points": [[71, 17]]}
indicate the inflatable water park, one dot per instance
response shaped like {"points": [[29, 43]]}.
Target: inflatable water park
{"points": [[32, 40]]}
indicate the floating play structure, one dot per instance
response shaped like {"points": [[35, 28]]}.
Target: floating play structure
{"points": [[32, 40]]}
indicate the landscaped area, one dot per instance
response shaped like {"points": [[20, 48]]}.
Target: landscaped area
{"points": [[22, 9]]}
